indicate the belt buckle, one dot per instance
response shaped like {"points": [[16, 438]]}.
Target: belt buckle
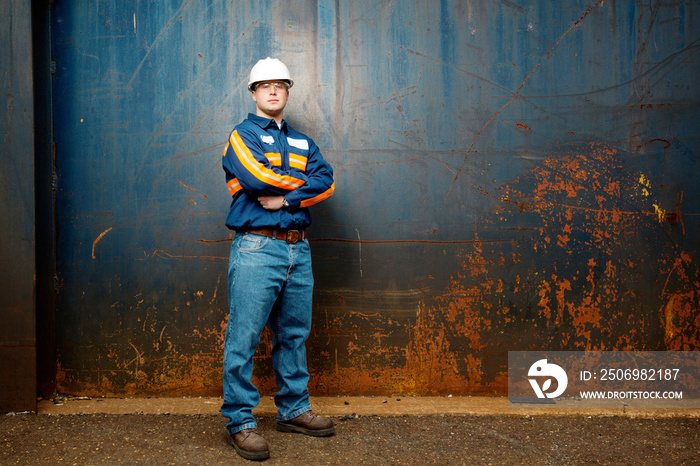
{"points": [[293, 236]]}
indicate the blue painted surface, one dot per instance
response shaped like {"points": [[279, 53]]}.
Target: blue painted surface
{"points": [[510, 175]]}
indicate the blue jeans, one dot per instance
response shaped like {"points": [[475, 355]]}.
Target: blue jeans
{"points": [[269, 281]]}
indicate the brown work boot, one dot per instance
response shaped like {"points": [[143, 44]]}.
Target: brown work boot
{"points": [[308, 424], [250, 444]]}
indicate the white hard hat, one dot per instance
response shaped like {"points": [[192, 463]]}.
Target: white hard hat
{"points": [[269, 69]]}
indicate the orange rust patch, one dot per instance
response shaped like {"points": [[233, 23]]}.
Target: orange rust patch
{"points": [[588, 267]]}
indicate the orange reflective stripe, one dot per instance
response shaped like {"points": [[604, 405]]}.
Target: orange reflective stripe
{"points": [[260, 171], [297, 161], [274, 158], [234, 186], [321, 197]]}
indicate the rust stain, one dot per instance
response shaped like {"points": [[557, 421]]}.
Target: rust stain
{"points": [[666, 143], [592, 306], [94, 243], [522, 126], [188, 187], [681, 316], [668, 321]]}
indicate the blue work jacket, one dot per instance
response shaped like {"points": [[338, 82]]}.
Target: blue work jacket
{"points": [[263, 159]]}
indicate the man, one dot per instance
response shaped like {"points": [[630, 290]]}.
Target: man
{"points": [[274, 174]]}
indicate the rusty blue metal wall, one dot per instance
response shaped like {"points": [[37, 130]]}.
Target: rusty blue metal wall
{"points": [[510, 175], [17, 270]]}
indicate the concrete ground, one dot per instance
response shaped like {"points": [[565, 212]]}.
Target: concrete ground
{"points": [[373, 430]]}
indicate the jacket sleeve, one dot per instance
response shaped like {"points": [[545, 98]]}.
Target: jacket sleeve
{"points": [[247, 168], [320, 184]]}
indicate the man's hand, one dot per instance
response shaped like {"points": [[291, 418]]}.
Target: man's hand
{"points": [[271, 202]]}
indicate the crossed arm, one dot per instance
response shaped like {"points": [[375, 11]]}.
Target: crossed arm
{"points": [[249, 168]]}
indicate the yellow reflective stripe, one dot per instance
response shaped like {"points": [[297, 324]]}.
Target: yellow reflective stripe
{"points": [[274, 158], [297, 161], [234, 186], [321, 197], [260, 171]]}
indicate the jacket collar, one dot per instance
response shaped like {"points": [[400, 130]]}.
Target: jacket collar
{"points": [[264, 123]]}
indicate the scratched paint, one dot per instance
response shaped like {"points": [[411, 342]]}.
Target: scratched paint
{"points": [[509, 177]]}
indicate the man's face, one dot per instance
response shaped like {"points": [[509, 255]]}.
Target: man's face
{"points": [[270, 98]]}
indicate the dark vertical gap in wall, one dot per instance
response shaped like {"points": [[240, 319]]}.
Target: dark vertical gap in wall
{"points": [[45, 192]]}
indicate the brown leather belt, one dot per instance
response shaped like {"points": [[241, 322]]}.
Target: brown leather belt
{"points": [[290, 236]]}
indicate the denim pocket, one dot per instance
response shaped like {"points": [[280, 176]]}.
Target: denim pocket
{"points": [[250, 243]]}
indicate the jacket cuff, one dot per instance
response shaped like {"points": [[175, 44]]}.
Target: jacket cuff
{"points": [[294, 199]]}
